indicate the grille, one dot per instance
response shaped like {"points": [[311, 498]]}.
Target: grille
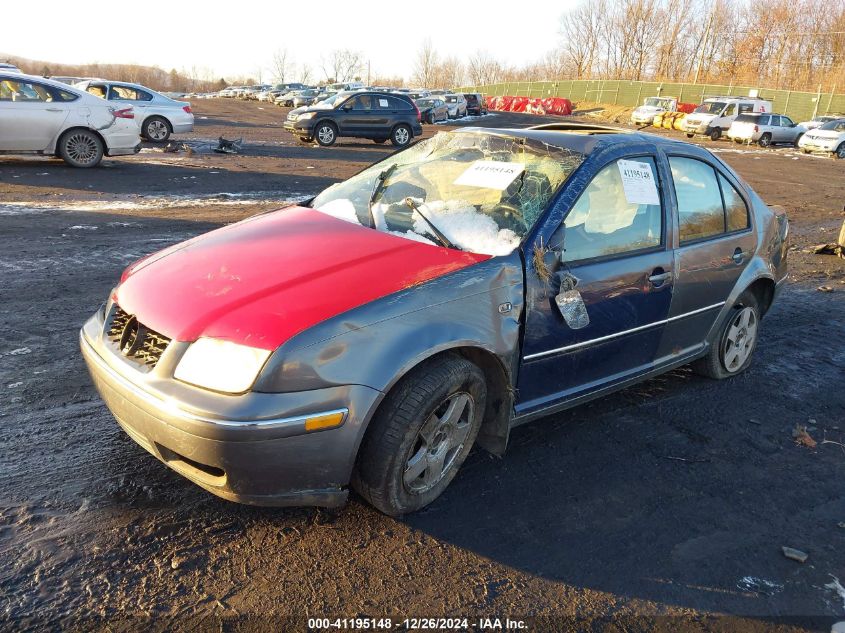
{"points": [[141, 343]]}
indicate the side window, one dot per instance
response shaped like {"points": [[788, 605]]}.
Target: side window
{"points": [[62, 95], [400, 104], [730, 110], [382, 103], [11, 90], [745, 107], [122, 93], [143, 96], [736, 213], [618, 212], [700, 212], [763, 119], [97, 90], [786, 121], [362, 102]]}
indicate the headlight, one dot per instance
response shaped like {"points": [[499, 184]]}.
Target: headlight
{"points": [[305, 115], [221, 365]]}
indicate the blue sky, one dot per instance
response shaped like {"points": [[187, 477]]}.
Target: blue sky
{"points": [[239, 38]]}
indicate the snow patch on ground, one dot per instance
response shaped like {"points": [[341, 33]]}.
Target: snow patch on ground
{"points": [[82, 227], [759, 585], [837, 587], [467, 118], [19, 351], [224, 198]]}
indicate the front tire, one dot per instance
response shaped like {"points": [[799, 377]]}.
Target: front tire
{"points": [[81, 148], [156, 129], [420, 436], [401, 136], [325, 133], [715, 134], [733, 349], [840, 151]]}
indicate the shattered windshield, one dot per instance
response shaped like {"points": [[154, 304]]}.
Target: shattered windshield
{"points": [[474, 191], [656, 102], [713, 107]]}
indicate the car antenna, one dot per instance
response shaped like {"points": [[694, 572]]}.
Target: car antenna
{"points": [[442, 238]]}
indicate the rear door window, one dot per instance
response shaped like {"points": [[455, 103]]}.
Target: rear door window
{"points": [[700, 211], [610, 218], [399, 104], [708, 204], [736, 212]]}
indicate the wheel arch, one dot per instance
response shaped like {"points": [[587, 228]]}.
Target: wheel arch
{"points": [[67, 131], [495, 425], [158, 116], [763, 289]]}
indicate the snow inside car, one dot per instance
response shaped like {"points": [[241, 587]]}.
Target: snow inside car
{"points": [[475, 281]]}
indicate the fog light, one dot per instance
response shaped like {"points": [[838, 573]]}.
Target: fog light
{"points": [[326, 421]]}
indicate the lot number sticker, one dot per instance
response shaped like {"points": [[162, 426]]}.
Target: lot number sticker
{"points": [[490, 174], [638, 182]]}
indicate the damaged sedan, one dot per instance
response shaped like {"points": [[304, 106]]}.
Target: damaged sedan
{"points": [[475, 281]]}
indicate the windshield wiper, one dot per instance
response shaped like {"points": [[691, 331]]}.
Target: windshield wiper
{"points": [[440, 237], [377, 189]]}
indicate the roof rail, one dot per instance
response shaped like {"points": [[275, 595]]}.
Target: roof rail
{"points": [[582, 128]]}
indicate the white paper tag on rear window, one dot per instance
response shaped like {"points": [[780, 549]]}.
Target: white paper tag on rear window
{"points": [[490, 174], [382, 103], [638, 182]]}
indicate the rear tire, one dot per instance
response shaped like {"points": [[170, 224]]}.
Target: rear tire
{"points": [[690, 135], [765, 140], [733, 349], [156, 129], [80, 148], [401, 135], [420, 435]]}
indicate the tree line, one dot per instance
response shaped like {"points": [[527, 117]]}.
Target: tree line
{"points": [[781, 44]]}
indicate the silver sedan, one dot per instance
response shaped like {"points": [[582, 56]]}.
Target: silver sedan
{"points": [[158, 116]]}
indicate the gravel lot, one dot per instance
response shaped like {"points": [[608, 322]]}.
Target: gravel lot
{"points": [[663, 507]]}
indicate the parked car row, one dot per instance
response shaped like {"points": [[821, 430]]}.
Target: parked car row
{"points": [[743, 120]]}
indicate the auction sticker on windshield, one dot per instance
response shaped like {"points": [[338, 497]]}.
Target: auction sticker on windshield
{"points": [[490, 174], [638, 182]]}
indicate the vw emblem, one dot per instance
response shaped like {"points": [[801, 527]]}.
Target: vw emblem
{"points": [[131, 337]]}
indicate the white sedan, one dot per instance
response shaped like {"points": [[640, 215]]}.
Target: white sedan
{"points": [[40, 116], [158, 116], [828, 138]]}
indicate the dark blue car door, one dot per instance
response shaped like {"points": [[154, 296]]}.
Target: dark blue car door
{"points": [[615, 243]]}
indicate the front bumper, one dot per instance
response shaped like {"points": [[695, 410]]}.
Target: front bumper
{"points": [[817, 146], [251, 448], [301, 128]]}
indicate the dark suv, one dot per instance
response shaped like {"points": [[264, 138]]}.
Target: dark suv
{"points": [[476, 105], [378, 116]]}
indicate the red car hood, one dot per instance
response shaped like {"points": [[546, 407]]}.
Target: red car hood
{"points": [[261, 281]]}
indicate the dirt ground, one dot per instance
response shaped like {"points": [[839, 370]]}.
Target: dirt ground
{"points": [[662, 507]]}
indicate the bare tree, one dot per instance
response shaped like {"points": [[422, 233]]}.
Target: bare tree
{"points": [[425, 67], [341, 65], [305, 74], [483, 69], [281, 65]]}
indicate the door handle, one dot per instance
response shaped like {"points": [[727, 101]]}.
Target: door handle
{"points": [[659, 276], [738, 256], [54, 109]]}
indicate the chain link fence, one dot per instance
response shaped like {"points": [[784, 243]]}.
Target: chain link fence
{"points": [[800, 106]]}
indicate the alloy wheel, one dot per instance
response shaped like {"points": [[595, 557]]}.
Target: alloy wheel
{"points": [[326, 134], [439, 441], [739, 340], [81, 148], [157, 130], [401, 136]]}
